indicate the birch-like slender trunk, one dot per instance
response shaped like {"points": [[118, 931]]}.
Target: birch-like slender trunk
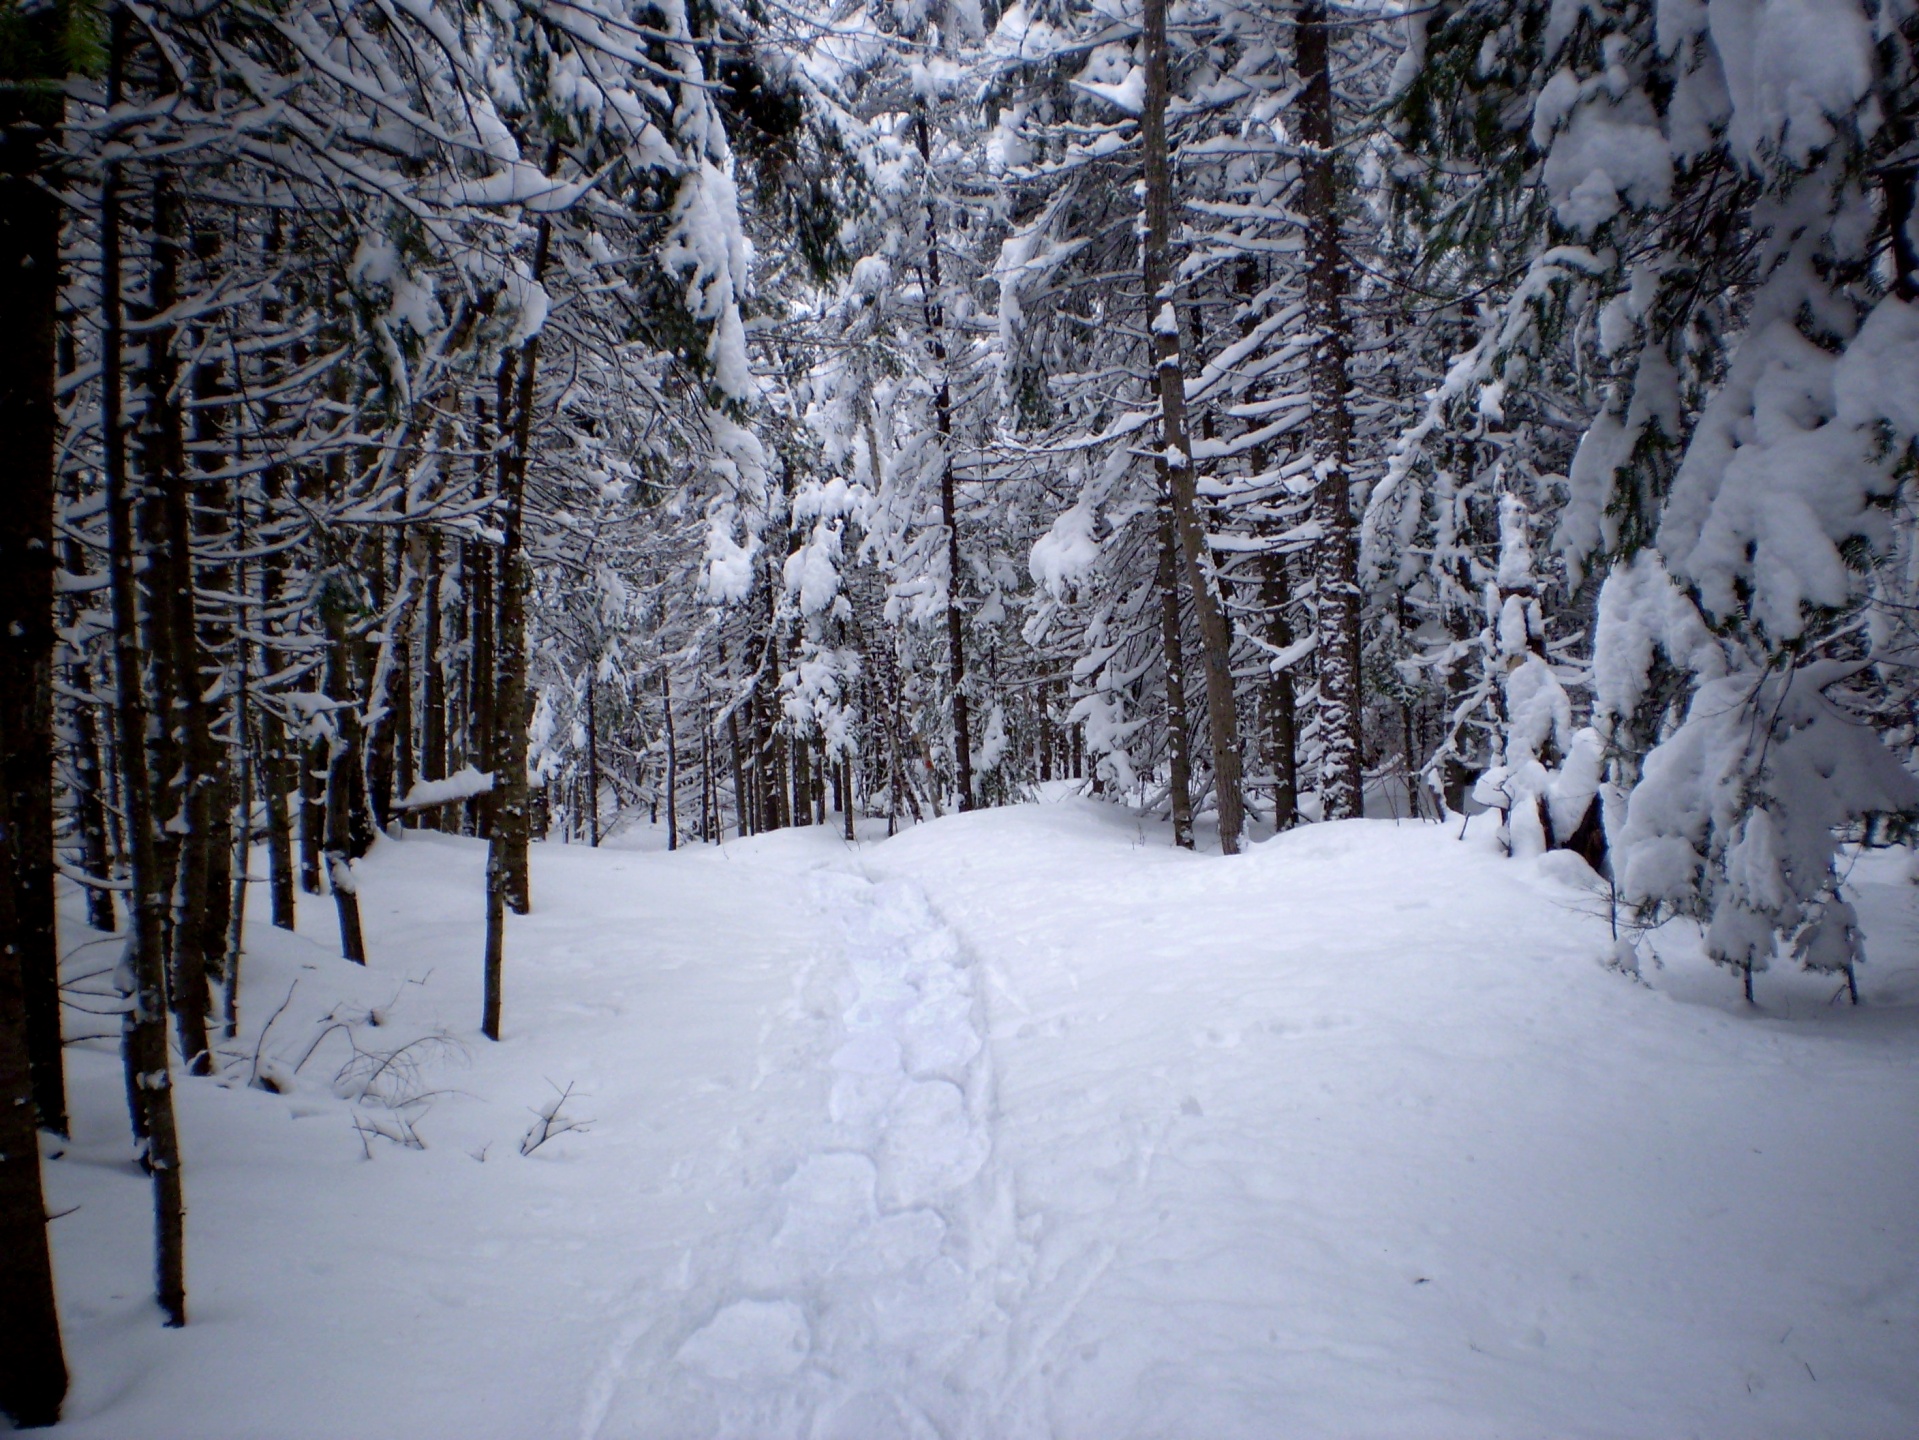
{"points": [[1215, 638]]}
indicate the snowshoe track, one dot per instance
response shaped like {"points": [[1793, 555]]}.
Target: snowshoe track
{"points": [[867, 1285]]}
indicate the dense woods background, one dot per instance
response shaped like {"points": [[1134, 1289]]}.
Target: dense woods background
{"points": [[528, 417]]}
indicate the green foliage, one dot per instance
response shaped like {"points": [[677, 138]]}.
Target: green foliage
{"points": [[42, 44]]}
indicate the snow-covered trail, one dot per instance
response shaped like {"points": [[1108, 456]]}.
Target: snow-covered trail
{"points": [[1025, 1125], [864, 1284]]}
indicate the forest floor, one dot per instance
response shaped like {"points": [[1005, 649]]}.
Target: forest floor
{"points": [[1020, 1124]]}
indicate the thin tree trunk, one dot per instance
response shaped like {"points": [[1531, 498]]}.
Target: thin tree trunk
{"points": [[1179, 761], [215, 634], [672, 764], [1214, 635], [177, 657], [481, 677], [506, 863], [592, 760], [432, 681], [242, 858], [389, 694], [87, 771], [143, 1026], [1282, 708], [739, 771], [314, 764], [949, 518], [343, 757], [1336, 557]]}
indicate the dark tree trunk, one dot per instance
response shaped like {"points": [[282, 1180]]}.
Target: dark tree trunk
{"points": [[314, 765], [337, 600], [389, 695], [506, 863], [87, 770], [176, 652], [482, 676], [89, 803], [949, 516], [29, 295], [33, 1367], [1282, 705], [432, 676], [672, 764], [802, 781], [1180, 763], [143, 1027], [216, 636], [1336, 557], [242, 853], [592, 760], [1215, 637], [739, 769]]}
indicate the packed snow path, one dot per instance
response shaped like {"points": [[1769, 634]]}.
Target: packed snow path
{"points": [[844, 1310], [1022, 1125]]}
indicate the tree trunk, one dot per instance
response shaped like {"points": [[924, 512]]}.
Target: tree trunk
{"points": [[1179, 761], [143, 1026], [215, 634], [1336, 573], [343, 758], [432, 681], [592, 760], [506, 862], [314, 763], [242, 858], [672, 764], [33, 1367], [1282, 704], [389, 694], [949, 518], [29, 295], [1214, 636], [481, 677], [739, 775]]}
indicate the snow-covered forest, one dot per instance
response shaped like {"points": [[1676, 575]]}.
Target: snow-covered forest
{"points": [[528, 524]]}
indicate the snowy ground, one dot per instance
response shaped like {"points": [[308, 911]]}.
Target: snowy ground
{"points": [[1021, 1124]]}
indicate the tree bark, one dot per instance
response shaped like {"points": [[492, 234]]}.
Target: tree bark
{"points": [[143, 1027], [1282, 703], [33, 1367], [1214, 634], [949, 514], [29, 296], [592, 760], [336, 598], [1336, 574], [672, 763], [506, 865], [193, 949], [1180, 762]]}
